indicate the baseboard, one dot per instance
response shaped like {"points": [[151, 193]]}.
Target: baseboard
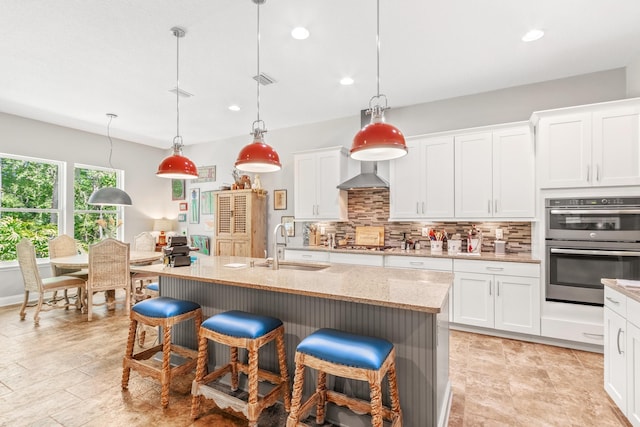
{"points": [[594, 348]]}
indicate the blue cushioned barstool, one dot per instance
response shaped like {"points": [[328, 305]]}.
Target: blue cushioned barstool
{"points": [[342, 354], [164, 312], [245, 330]]}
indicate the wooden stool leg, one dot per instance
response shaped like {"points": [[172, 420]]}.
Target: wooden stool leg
{"points": [[376, 402], [126, 370], [321, 391], [165, 374], [203, 357], [234, 368], [298, 384], [393, 389], [284, 374], [253, 408]]}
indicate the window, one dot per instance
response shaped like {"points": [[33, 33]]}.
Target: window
{"points": [[30, 203], [92, 223]]}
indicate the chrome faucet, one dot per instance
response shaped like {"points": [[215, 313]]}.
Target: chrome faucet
{"points": [[276, 264]]}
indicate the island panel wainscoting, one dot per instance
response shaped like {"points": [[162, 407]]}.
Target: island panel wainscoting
{"points": [[407, 307]]}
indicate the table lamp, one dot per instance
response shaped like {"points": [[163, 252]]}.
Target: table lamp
{"points": [[162, 225]]}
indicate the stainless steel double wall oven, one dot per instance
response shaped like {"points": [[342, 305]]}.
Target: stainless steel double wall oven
{"points": [[586, 240]]}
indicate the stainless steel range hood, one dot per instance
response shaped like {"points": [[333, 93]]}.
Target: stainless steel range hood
{"points": [[368, 178]]}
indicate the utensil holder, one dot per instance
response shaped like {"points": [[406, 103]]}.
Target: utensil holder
{"points": [[436, 246]]}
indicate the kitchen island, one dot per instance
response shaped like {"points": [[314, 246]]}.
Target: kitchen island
{"points": [[407, 307]]}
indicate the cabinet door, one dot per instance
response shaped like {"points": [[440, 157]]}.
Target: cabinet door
{"points": [[406, 183], [633, 374], [513, 173], [240, 215], [564, 153], [615, 364], [241, 248], [474, 181], [616, 146], [331, 203], [473, 299], [224, 247], [305, 186], [224, 215], [517, 304], [437, 161]]}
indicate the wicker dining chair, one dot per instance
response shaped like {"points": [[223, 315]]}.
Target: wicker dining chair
{"points": [[108, 271], [34, 283], [143, 242]]}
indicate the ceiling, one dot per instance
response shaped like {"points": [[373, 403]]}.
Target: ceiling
{"points": [[69, 62]]}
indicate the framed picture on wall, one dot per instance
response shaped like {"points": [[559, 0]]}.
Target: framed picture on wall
{"points": [[177, 189], [182, 217], [207, 199], [194, 211], [184, 207], [280, 200]]}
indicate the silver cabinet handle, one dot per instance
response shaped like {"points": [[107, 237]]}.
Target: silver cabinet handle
{"points": [[495, 268], [423, 207], [417, 207], [598, 173], [490, 285], [590, 335], [306, 256], [620, 332], [497, 288], [594, 211], [588, 173], [593, 252], [488, 206], [612, 300], [495, 206], [416, 263]]}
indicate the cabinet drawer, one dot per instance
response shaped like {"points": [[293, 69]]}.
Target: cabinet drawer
{"points": [[302, 255], [497, 267], [615, 301], [633, 312], [422, 263], [572, 330], [357, 259]]}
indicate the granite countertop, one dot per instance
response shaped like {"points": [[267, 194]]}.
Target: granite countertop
{"points": [[416, 290], [633, 293], [484, 256]]}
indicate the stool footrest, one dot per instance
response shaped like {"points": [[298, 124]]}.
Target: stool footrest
{"points": [[220, 398]]}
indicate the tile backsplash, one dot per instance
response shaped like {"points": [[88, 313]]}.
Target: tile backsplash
{"points": [[371, 208]]}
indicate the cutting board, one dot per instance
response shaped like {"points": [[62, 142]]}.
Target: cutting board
{"points": [[369, 236]]}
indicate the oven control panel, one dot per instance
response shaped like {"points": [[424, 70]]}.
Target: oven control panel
{"points": [[593, 202]]}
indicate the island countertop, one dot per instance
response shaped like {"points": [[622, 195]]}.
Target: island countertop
{"points": [[631, 292], [415, 290]]}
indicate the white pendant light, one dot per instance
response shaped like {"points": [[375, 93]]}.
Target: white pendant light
{"points": [[177, 166], [258, 156], [110, 196], [378, 140]]}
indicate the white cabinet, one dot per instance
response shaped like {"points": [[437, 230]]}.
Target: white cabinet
{"points": [[499, 295], [622, 352], [316, 176], [494, 173], [592, 145], [421, 183], [418, 262], [374, 260], [305, 255]]}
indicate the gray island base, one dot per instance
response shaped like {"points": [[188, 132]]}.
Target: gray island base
{"points": [[407, 307]]}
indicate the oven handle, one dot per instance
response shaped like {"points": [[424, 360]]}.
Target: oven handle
{"points": [[593, 252], [594, 211]]}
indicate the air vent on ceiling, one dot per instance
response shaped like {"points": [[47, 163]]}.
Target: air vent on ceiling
{"points": [[264, 79], [182, 93]]}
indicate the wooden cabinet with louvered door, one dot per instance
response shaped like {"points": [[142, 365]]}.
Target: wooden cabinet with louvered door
{"points": [[241, 223]]}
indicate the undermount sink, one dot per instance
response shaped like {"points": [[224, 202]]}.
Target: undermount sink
{"points": [[292, 265]]}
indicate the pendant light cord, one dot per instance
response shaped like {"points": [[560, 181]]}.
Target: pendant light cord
{"points": [[111, 117], [378, 46], [258, 127], [177, 141]]}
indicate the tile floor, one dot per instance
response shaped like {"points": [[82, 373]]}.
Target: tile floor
{"points": [[67, 372]]}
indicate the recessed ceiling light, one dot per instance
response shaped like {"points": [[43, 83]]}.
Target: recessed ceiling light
{"points": [[300, 33], [234, 107], [346, 81], [533, 35]]}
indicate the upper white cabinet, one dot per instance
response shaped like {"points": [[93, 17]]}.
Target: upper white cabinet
{"points": [[421, 183], [317, 174], [494, 173], [591, 145]]}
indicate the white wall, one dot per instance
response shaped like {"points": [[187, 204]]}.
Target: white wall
{"points": [[633, 78], [501, 106], [151, 195]]}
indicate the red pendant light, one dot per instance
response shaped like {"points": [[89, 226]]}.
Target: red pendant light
{"points": [[258, 156], [177, 166], [378, 140]]}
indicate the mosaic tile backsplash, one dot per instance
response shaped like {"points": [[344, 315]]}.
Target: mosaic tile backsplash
{"points": [[371, 208]]}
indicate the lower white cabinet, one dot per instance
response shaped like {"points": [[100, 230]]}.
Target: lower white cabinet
{"points": [[622, 353], [498, 295], [303, 255], [357, 259]]}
